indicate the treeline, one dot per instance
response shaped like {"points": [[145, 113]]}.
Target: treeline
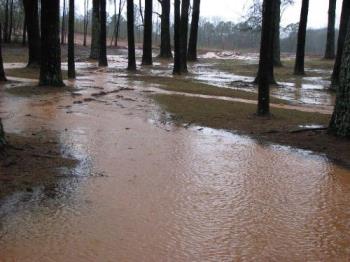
{"points": [[212, 34], [315, 41]]}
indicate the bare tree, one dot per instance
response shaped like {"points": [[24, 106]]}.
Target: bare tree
{"points": [[330, 44], [192, 45], [343, 28], [50, 70], [131, 36], [95, 30], [165, 45], [63, 25], [71, 62], [266, 57], [147, 33], [340, 123], [181, 33], [300, 56], [103, 34], [32, 22]]}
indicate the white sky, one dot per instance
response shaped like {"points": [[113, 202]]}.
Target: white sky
{"points": [[232, 10]]}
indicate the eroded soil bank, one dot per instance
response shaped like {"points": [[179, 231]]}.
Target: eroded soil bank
{"points": [[138, 174]]}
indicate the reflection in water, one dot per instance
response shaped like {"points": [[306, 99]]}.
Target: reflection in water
{"points": [[148, 192]]}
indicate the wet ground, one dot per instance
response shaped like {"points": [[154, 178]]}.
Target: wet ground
{"points": [[145, 189]]}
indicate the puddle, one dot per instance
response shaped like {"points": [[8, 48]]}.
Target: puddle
{"points": [[147, 190]]}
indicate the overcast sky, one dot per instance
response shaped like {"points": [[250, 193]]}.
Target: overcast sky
{"points": [[233, 10]]}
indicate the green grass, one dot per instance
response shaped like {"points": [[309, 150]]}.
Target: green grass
{"points": [[284, 74], [234, 115], [190, 86]]}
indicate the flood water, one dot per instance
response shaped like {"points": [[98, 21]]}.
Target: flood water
{"points": [[147, 190]]}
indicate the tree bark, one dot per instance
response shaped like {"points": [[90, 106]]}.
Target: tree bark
{"points": [[140, 10], [63, 26], [71, 62], [330, 44], [177, 20], [340, 123], [277, 44], [118, 23], [11, 23], [103, 35], [266, 56], [165, 44], [184, 34], [2, 71], [344, 19], [131, 36], [6, 24], [24, 33], [192, 45], [85, 21], [95, 30], [50, 69], [147, 34], [300, 55], [32, 21]]}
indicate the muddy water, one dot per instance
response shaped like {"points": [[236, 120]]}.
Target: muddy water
{"points": [[146, 190]]}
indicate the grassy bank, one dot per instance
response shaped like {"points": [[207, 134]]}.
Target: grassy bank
{"points": [[190, 86], [283, 127]]}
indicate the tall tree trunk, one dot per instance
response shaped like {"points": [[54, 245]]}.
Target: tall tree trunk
{"points": [[140, 10], [165, 45], [63, 26], [6, 24], [184, 34], [344, 19], [131, 36], [340, 123], [50, 69], [11, 23], [192, 45], [330, 44], [118, 23], [177, 20], [71, 62], [103, 35], [24, 32], [266, 56], [2, 71], [95, 30], [277, 41], [147, 34], [85, 21], [33, 30], [300, 56]]}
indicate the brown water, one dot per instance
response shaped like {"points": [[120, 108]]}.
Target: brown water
{"points": [[146, 190]]}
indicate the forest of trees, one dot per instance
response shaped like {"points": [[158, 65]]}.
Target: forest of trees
{"points": [[212, 33], [188, 31]]}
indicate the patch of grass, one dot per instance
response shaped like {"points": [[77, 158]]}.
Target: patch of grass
{"points": [[30, 73], [315, 67], [235, 115], [190, 86]]}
